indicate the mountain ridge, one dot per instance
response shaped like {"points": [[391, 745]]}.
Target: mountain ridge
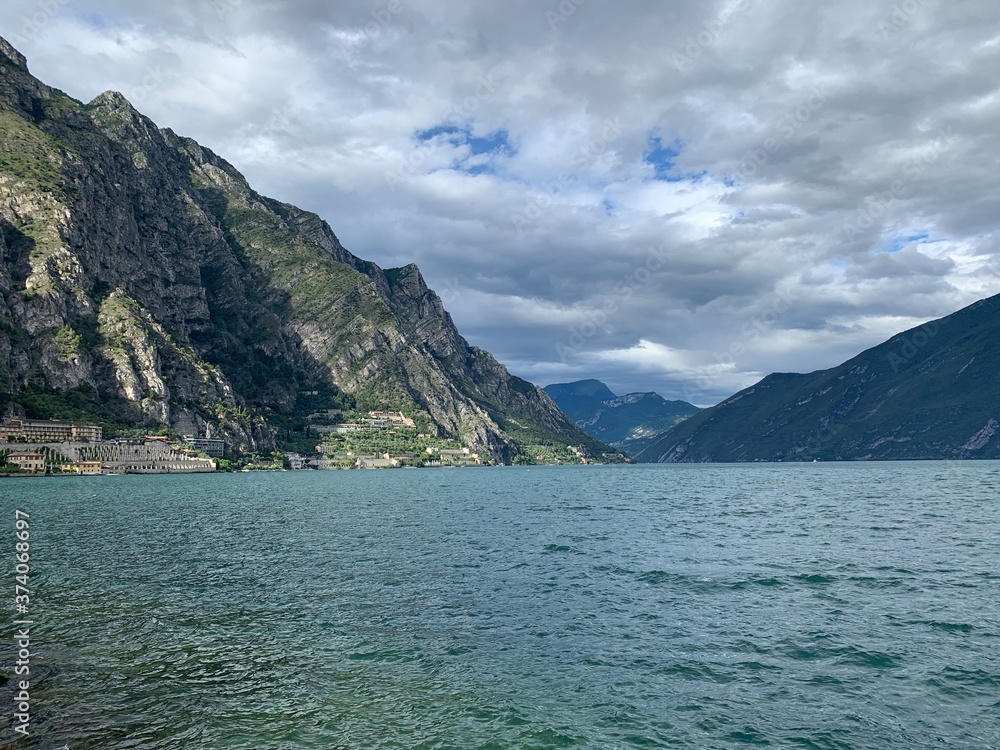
{"points": [[629, 422], [931, 392], [144, 280]]}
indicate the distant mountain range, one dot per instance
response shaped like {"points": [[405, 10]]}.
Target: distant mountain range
{"points": [[629, 423], [932, 392]]}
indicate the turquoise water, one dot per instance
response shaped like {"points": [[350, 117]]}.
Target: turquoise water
{"points": [[805, 606]]}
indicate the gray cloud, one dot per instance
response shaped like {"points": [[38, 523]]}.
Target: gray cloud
{"points": [[838, 157]]}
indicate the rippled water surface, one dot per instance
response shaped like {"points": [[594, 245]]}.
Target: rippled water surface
{"points": [[805, 606]]}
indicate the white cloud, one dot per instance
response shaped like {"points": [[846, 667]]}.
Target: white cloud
{"points": [[315, 105]]}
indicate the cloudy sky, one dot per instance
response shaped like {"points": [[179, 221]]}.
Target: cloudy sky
{"points": [[675, 196]]}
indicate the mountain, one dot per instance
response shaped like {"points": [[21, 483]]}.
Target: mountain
{"points": [[629, 423], [932, 392], [580, 400], [145, 282]]}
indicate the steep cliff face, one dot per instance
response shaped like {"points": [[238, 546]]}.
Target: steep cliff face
{"points": [[144, 280], [929, 393]]}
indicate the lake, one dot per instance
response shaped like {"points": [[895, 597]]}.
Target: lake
{"points": [[712, 606]]}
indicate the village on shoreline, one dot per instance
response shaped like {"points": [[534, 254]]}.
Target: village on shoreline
{"points": [[375, 440]]}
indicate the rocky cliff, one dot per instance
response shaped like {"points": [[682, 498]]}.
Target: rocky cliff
{"points": [[143, 280]]}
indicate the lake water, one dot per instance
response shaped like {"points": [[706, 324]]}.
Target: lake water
{"points": [[788, 606]]}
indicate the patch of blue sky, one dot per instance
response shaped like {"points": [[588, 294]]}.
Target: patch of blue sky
{"points": [[477, 169], [900, 243], [483, 151], [663, 159], [455, 134], [496, 142]]}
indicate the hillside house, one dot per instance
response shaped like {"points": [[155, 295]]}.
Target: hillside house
{"points": [[27, 460]]}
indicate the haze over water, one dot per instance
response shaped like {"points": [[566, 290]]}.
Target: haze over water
{"points": [[807, 606]]}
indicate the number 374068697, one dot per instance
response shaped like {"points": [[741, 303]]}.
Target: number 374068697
{"points": [[22, 568]]}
